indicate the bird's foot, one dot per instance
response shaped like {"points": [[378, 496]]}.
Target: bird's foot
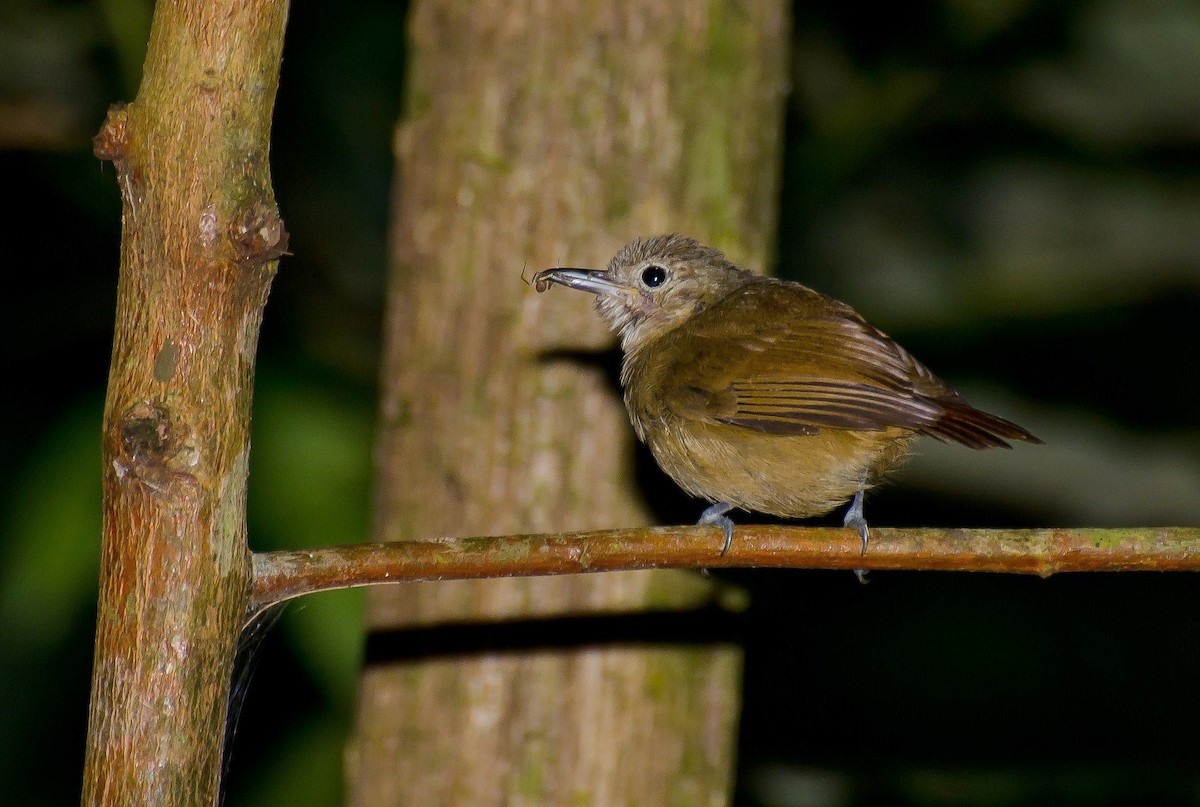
{"points": [[854, 518], [715, 514]]}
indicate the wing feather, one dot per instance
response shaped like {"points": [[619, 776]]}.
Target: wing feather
{"points": [[815, 365]]}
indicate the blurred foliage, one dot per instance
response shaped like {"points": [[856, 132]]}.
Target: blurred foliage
{"points": [[1008, 187]]}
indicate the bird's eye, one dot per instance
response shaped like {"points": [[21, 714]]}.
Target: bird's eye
{"points": [[653, 276]]}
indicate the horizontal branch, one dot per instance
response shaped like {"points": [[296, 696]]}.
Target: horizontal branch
{"points": [[280, 576]]}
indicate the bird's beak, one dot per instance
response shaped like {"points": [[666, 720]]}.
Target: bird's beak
{"points": [[596, 281]]}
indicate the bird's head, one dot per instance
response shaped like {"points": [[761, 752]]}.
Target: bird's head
{"points": [[652, 285]]}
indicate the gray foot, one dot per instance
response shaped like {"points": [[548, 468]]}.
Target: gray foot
{"points": [[854, 518], [715, 514]]}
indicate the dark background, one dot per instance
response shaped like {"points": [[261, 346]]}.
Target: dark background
{"points": [[1008, 188]]}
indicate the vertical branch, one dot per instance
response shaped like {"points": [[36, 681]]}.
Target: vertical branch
{"points": [[537, 134], [200, 242]]}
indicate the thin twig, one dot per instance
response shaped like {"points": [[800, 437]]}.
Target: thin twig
{"points": [[283, 575]]}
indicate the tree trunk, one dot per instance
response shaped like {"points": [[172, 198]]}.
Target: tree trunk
{"points": [[200, 235], [537, 135]]}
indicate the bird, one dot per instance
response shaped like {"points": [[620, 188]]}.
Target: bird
{"points": [[762, 394]]}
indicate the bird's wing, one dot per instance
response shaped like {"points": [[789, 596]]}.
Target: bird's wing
{"points": [[829, 371]]}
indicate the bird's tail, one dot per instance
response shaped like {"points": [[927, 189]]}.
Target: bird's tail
{"points": [[974, 428]]}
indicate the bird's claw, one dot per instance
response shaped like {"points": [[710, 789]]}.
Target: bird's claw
{"points": [[715, 514], [854, 519]]}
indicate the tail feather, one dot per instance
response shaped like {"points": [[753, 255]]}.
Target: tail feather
{"points": [[974, 428]]}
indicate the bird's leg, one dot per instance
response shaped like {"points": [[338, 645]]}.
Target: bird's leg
{"points": [[715, 514], [854, 518]]}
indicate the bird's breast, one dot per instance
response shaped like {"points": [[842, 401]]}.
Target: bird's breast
{"points": [[792, 476], [788, 475]]}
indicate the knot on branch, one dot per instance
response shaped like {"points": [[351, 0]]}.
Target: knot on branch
{"points": [[110, 142], [258, 234], [146, 432], [154, 447]]}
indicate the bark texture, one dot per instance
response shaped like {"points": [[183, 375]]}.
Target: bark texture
{"points": [[285, 574], [540, 134], [200, 239]]}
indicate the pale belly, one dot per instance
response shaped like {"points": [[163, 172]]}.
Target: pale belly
{"points": [[784, 475]]}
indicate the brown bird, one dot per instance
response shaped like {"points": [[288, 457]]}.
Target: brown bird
{"points": [[760, 393]]}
